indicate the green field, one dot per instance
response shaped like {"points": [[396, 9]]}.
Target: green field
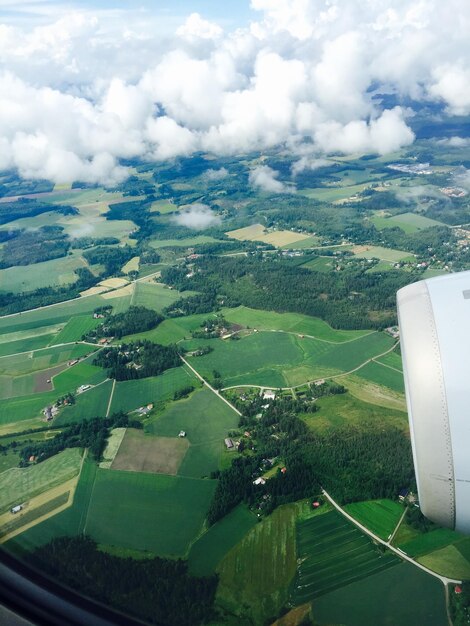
{"points": [[206, 419], [81, 373], [290, 322], [207, 552], [20, 484], [92, 403], [24, 345], [57, 313], [55, 272], [41, 359], [332, 194], [382, 375], [148, 512], [448, 561], [408, 222], [171, 330], [34, 514], [321, 264], [16, 410], [379, 516], [385, 254], [428, 542], [338, 410], [333, 553], [29, 335], [255, 574], [163, 207], [70, 522], [155, 295], [392, 359], [132, 394], [76, 327], [181, 243], [403, 595], [283, 360]]}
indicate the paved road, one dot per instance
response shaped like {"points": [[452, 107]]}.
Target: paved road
{"points": [[204, 381], [444, 580]]}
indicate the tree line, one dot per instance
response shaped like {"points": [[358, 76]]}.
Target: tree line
{"points": [[159, 591]]}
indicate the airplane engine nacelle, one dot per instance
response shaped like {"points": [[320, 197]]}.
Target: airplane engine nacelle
{"points": [[434, 320]]}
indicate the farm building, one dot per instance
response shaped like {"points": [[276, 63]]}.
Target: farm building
{"points": [[16, 509], [229, 443], [259, 481], [269, 394], [182, 433], [48, 413]]}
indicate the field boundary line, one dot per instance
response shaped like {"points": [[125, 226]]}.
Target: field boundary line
{"points": [[444, 579], [392, 536], [110, 398], [56, 345]]}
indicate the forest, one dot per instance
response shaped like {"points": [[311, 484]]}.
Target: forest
{"points": [[351, 299], [137, 360], [91, 434], [159, 591], [34, 246], [351, 464], [26, 207], [136, 319]]}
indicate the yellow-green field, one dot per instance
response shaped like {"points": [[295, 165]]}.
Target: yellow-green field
{"points": [[257, 232]]}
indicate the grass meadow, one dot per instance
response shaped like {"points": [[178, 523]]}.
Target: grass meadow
{"points": [[132, 394], [20, 484], [338, 410], [289, 322], [206, 419], [284, 360], [402, 594], [207, 552], [148, 512]]}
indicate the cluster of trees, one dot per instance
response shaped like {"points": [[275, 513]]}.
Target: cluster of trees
{"points": [[200, 303], [183, 393], [90, 434], [135, 320], [26, 207], [350, 463], [459, 605], [137, 360], [83, 243], [27, 247], [111, 258], [416, 520], [159, 591], [350, 299]]}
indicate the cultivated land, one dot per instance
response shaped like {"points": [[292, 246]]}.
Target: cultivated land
{"points": [[154, 295], [20, 484], [408, 222], [378, 252], [379, 516], [207, 552], [338, 410], [75, 328], [52, 273], [255, 574], [181, 243], [91, 403], [290, 322], [132, 394], [402, 594], [127, 508], [333, 553], [139, 452], [284, 360], [278, 238], [206, 420]]}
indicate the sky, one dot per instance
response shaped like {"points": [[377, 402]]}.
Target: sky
{"points": [[84, 85]]}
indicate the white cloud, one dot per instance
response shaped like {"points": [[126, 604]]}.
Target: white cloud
{"points": [[308, 163], [215, 175], [264, 177], [80, 91], [196, 27], [197, 217]]}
